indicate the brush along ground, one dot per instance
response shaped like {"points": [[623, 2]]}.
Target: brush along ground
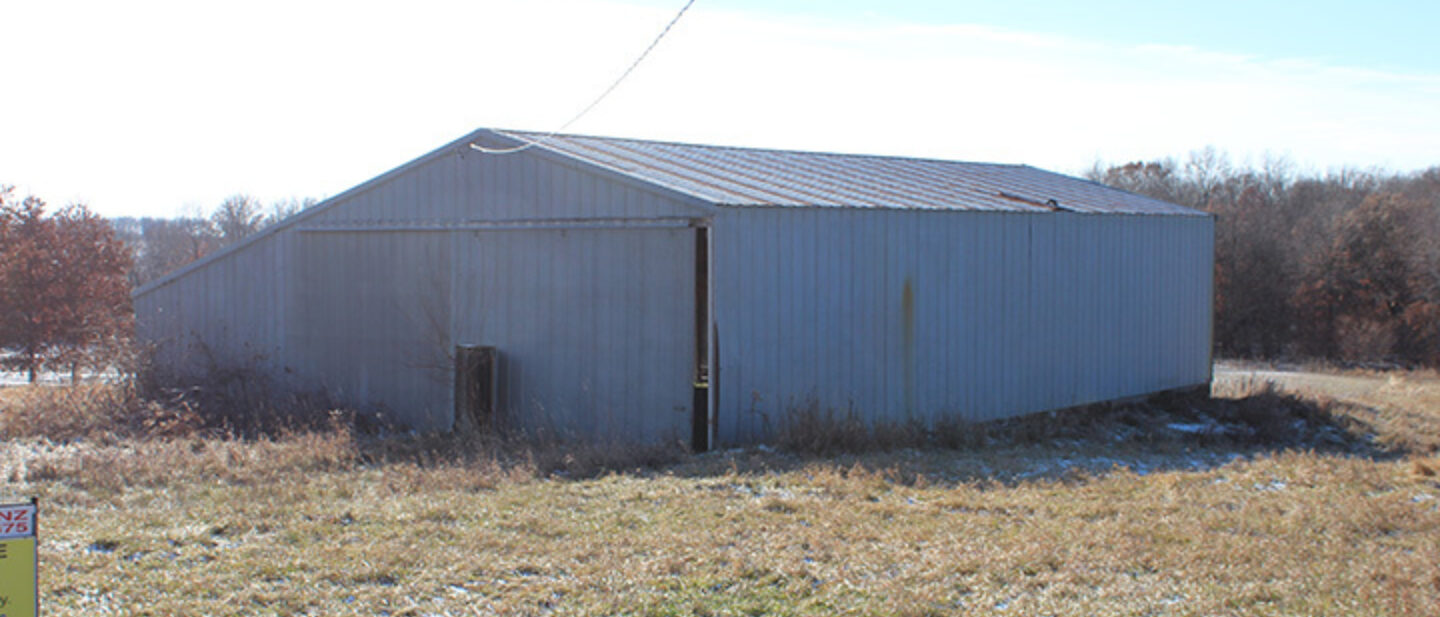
{"points": [[1404, 406], [1083, 524]]}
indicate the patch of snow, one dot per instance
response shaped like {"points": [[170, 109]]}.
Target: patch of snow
{"points": [[1038, 470], [53, 378]]}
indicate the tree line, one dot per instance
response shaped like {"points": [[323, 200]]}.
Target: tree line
{"points": [[161, 245], [1343, 265], [66, 274]]}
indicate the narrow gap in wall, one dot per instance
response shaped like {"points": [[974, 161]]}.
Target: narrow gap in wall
{"points": [[700, 403]]}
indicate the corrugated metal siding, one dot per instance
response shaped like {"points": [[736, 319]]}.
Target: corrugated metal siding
{"points": [[583, 317], [594, 326], [467, 186], [1007, 313], [223, 314], [371, 322], [758, 177]]}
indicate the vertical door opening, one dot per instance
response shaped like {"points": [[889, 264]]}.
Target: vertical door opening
{"points": [[476, 386], [700, 406]]}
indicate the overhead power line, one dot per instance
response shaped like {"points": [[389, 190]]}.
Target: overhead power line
{"points": [[531, 143]]}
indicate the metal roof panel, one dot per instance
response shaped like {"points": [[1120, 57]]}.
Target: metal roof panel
{"points": [[732, 176]]}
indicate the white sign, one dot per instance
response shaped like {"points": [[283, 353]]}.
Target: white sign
{"points": [[17, 521]]}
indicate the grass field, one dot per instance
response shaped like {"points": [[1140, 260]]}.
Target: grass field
{"points": [[1279, 505]]}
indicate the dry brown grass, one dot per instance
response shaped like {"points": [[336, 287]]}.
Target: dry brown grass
{"points": [[95, 411], [1408, 410], [1401, 409], [1288, 534], [1098, 513], [1425, 468]]}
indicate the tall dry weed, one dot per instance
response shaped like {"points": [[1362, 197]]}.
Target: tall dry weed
{"points": [[94, 411], [1258, 416], [159, 463], [808, 429], [246, 402]]}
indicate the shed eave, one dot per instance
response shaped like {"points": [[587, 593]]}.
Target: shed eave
{"points": [[459, 146], [609, 172], [303, 215]]}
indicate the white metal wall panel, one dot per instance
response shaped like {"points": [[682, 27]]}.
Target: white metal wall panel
{"points": [[223, 314], [595, 327], [355, 312], [371, 320], [1005, 314], [464, 185]]}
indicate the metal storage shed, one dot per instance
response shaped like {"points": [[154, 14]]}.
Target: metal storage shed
{"points": [[644, 291]]}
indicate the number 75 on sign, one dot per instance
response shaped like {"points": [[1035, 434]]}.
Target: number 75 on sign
{"points": [[19, 591]]}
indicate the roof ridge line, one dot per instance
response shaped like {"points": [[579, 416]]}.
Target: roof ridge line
{"points": [[684, 144]]}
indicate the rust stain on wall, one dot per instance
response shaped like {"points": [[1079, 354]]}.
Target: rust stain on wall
{"points": [[907, 342]]}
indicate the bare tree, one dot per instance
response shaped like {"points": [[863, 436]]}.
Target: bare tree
{"points": [[165, 245], [286, 208], [238, 216]]}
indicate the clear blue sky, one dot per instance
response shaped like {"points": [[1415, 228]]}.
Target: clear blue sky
{"points": [[159, 107], [1382, 34]]}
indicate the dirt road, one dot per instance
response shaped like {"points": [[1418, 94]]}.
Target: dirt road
{"points": [[1360, 389]]}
